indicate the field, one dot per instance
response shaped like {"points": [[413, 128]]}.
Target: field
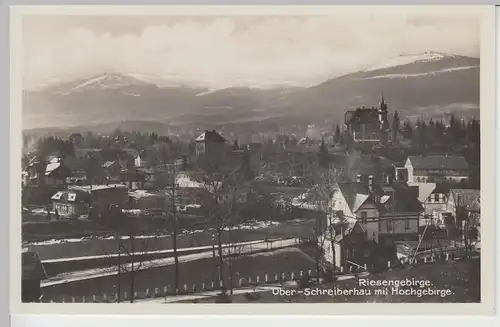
{"points": [[194, 272], [96, 246]]}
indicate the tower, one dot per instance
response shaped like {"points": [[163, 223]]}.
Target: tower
{"points": [[383, 118], [383, 105]]}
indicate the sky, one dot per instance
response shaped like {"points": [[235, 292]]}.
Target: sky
{"points": [[218, 52]]}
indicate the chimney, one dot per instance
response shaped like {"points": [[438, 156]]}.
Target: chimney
{"points": [[370, 182], [388, 179], [358, 178]]}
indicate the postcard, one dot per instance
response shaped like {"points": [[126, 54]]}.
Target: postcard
{"points": [[168, 155]]}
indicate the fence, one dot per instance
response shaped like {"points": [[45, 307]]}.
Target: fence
{"points": [[254, 281], [167, 290]]}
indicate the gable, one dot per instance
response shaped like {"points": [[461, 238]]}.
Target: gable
{"points": [[369, 204], [408, 163]]}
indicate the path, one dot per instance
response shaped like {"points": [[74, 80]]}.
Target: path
{"points": [[169, 251], [108, 271]]}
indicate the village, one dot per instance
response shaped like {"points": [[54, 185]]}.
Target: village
{"points": [[131, 217]]}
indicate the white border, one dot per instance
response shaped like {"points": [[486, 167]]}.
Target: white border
{"points": [[487, 170]]}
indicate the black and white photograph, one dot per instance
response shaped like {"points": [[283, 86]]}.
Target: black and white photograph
{"points": [[222, 158]]}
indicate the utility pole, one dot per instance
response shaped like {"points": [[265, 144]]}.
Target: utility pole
{"points": [[119, 269], [132, 272], [213, 256], [174, 240]]}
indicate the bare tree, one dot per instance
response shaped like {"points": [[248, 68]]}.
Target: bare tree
{"points": [[222, 182], [321, 197], [132, 257], [133, 254], [232, 252], [172, 190]]}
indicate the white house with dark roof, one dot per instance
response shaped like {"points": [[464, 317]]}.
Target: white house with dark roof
{"points": [[429, 169], [71, 203], [383, 211]]}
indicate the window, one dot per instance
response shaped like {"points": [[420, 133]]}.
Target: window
{"points": [[407, 224], [364, 216], [436, 198], [389, 225]]}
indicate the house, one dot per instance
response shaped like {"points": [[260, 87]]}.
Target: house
{"points": [[113, 168], [210, 143], [51, 172], [142, 199], [42, 179], [474, 213], [400, 213], [458, 200], [79, 170], [383, 211], [82, 153], [102, 197], [349, 244], [433, 197], [32, 273], [368, 125], [351, 249], [71, 204], [436, 168], [192, 191], [76, 139]]}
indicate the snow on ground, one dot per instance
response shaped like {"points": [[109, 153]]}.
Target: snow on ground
{"points": [[195, 248], [102, 272], [244, 226]]}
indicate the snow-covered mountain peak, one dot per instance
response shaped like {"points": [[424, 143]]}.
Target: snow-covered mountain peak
{"points": [[405, 59], [107, 81]]}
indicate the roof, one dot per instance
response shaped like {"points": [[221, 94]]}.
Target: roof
{"points": [[87, 188], [108, 164], [346, 227], [185, 181], [443, 188], [439, 162], [364, 115], [425, 190], [51, 167], [71, 196], [356, 194], [139, 194], [403, 197], [466, 196], [210, 136], [32, 267]]}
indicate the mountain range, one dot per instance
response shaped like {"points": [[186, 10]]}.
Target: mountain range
{"points": [[422, 84]]}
